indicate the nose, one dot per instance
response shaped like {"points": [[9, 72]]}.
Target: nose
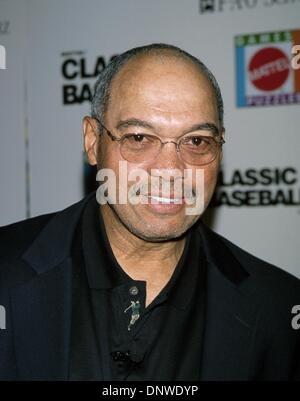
{"points": [[168, 157]]}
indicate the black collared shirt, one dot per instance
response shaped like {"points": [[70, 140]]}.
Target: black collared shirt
{"points": [[113, 336]]}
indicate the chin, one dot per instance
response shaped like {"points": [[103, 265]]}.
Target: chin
{"points": [[151, 233], [155, 229]]}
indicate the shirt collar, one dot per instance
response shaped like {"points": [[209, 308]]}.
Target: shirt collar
{"points": [[104, 272]]}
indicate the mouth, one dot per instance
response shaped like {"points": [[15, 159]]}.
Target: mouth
{"points": [[164, 200]]}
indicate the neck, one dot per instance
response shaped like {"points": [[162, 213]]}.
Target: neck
{"points": [[153, 262]]}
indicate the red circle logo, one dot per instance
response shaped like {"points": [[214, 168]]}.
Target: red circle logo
{"points": [[269, 69]]}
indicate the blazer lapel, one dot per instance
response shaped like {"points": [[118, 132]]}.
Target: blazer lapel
{"points": [[41, 311], [230, 322], [41, 307], [229, 331]]}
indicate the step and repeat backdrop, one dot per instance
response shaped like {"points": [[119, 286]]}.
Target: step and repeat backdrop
{"points": [[52, 51]]}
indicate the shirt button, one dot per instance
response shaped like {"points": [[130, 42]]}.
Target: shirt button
{"points": [[133, 290]]}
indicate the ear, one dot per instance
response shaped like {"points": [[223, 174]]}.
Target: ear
{"points": [[223, 133], [90, 139]]}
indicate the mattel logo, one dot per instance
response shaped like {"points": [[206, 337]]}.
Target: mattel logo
{"points": [[266, 71], [269, 69]]}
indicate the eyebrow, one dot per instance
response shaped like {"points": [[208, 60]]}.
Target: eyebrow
{"points": [[135, 122], [203, 127]]}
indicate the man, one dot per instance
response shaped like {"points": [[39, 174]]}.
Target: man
{"points": [[141, 289]]}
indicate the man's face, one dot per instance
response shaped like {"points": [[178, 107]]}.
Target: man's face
{"points": [[170, 97]]}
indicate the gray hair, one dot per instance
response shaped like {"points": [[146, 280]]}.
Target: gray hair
{"points": [[103, 85]]}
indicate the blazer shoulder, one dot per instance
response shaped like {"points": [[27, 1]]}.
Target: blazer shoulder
{"points": [[16, 237], [264, 276], [57, 226]]}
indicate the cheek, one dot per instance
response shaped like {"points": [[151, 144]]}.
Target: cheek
{"points": [[134, 173], [210, 179], [108, 156], [122, 169]]}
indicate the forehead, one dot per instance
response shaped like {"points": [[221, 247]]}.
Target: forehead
{"points": [[168, 83]]}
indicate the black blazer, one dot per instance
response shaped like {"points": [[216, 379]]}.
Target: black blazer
{"points": [[248, 333]]}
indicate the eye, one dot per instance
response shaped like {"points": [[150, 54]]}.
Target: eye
{"points": [[135, 137], [138, 137], [197, 141], [139, 141]]}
